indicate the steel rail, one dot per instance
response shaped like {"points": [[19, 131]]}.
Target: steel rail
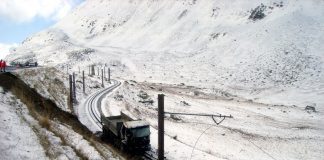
{"points": [[94, 103]]}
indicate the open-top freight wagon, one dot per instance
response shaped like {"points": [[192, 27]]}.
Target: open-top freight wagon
{"points": [[126, 133]]}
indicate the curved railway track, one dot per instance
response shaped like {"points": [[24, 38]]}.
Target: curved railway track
{"points": [[93, 104], [150, 155], [93, 107]]}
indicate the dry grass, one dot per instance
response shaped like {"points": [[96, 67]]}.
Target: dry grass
{"points": [[45, 122], [44, 110]]}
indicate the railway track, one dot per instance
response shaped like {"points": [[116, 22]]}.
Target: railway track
{"points": [[93, 107], [150, 155], [93, 104]]}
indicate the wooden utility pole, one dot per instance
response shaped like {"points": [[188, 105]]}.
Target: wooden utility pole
{"points": [[83, 83], [71, 90], [102, 78], [161, 114], [104, 72], [92, 70], [74, 90], [160, 126], [109, 75], [98, 71]]}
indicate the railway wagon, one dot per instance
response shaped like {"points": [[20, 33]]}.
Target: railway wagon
{"points": [[126, 133]]}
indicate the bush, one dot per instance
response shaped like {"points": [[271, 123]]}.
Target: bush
{"points": [[310, 108], [143, 95], [118, 97], [184, 103], [148, 102], [45, 122], [257, 13]]}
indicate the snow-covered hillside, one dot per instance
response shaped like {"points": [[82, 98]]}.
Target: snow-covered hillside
{"points": [[267, 51], [259, 60]]}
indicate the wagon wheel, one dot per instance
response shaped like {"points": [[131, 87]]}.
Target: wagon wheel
{"points": [[104, 134], [123, 147]]}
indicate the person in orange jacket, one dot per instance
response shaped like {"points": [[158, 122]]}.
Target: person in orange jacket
{"points": [[1, 63]]}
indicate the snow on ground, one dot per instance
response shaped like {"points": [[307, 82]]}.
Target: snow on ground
{"points": [[258, 130], [209, 56], [17, 138], [214, 44], [49, 82], [85, 112], [23, 137], [78, 142], [53, 83]]}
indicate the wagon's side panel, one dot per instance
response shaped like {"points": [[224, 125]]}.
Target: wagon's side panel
{"points": [[113, 124]]}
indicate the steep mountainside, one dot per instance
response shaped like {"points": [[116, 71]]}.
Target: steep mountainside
{"points": [[267, 50]]}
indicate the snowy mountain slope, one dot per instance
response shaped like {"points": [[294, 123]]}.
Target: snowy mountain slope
{"points": [[14, 130], [32, 130], [203, 43], [257, 131]]}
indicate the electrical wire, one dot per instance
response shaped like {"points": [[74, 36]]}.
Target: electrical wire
{"points": [[198, 140], [262, 150], [212, 125]]}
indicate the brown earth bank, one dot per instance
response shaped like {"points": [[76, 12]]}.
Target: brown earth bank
{"points": [[45, 111]]}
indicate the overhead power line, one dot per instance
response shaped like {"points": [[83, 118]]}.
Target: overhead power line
{"points": [[204, 115]]}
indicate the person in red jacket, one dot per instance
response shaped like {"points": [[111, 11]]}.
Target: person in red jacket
{"points": [[1, 63], [4, 65]]}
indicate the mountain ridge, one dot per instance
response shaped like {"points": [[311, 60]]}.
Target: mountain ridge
{"points": [[204, 43]]}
